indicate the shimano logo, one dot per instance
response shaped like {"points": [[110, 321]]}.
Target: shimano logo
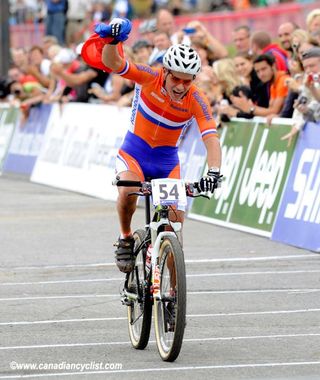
{"points": [[306, 186], [203, 105], [135, 105], [157, 97], [147, 69]]}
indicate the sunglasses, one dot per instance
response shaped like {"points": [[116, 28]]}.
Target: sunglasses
{"points": [[176, 80]]}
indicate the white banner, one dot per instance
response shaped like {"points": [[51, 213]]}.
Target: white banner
{"points": [[80, 148], [8, 119]]}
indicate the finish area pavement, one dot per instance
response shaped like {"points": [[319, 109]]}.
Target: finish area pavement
{"points": [[253, 307]]}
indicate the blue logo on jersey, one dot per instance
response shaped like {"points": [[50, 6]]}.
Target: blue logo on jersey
{"points": [[203, 105], [147, 69], [135, 104]]}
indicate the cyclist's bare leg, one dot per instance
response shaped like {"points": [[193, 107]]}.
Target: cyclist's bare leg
{"points": [[126, 205]]}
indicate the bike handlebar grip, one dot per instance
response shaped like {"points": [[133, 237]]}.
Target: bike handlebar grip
{"points": [[127, 183]]}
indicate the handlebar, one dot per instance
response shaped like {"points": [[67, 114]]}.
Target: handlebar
{"points": [[145, 188]]}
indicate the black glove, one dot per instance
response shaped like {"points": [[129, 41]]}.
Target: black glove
{"points": [[211, 181]]}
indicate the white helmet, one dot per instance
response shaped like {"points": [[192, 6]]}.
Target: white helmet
{"points": [[183, 59]]}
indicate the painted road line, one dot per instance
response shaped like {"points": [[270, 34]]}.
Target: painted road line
{"points": [[197, 275], [188, 261], [212, 315], [202, 292], [187, 340]]}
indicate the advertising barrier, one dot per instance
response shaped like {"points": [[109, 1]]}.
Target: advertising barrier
{"points": [[8, 120], [298, 219], [27, 141], [80, 148], [255, 167], [268, 188], [192, 153]]}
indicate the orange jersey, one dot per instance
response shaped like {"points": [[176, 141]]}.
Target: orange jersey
{"points": [[279, 88], [156, 118]]}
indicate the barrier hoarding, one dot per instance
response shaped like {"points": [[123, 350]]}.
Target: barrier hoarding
{"points": [[192, 153], [8, 120], [80, 148], [255, 167], [27, 141], [298, 219]]}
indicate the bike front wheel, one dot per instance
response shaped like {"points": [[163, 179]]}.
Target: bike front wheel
{"points": [[140, 308], [170, 309]]}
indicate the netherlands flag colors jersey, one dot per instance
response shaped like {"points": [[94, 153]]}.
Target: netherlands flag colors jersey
{"points": [[150, 147], [157, 119]]}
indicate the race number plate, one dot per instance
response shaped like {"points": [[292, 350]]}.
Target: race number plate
{"points": [[168, 191]]}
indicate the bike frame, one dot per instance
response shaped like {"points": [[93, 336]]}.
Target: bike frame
{"points": [[155, 235]]}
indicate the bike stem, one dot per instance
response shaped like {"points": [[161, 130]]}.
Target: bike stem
{"points": [[147, 210]]}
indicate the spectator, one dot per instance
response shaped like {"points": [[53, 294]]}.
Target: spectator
{"points": [[165, 22], [20, 58], [141, 8], [112, 91], [77, 16], [147, 29], [225, 71], [29, 83], [39, 66], [241, 39], [303, 47], [161, 42], [315, 38], [101, 11], [201, 35], [53, 51], [204, 54], [265, 67], [248, 76], [307, 106], [298, 36], [210, 87], [122, 8], [64, 61], [19, 11], [313, 21], [4, 89], [56, 19], [79, 78], [47, 42], [261, 44], [285, 31], [142, 50]]}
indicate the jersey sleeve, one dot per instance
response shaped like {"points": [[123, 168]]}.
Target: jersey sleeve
{"points": [[279, 89], [137, 72], [202, 112]]}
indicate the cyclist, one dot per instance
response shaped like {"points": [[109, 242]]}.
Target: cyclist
{"points": [[164, 104]]}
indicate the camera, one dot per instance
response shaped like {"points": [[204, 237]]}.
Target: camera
{"points": [[189, 30], [302, 99], [313, 77]]}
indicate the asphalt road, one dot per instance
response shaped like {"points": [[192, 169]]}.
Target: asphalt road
{"points": [[253, 305]]}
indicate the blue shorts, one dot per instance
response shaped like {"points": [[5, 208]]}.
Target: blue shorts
{"points": [[148, 163]]}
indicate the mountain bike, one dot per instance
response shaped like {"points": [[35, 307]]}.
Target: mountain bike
{"points": [[158, 279]]}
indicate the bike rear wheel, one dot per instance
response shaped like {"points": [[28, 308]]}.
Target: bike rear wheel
{"points": [[170, 310], [140, 308]]}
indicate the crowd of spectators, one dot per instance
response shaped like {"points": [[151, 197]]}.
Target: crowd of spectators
{"points": [[260, 78], [29, 11]]}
